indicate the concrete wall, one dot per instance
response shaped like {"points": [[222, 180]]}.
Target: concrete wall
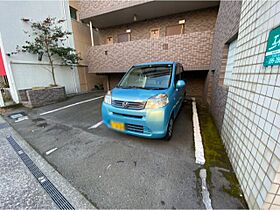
{"points": [[251, 125], [226, 27], [28, 75], [26, 68]]}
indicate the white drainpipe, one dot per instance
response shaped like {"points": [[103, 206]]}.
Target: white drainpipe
{"points": [[91, 33]]}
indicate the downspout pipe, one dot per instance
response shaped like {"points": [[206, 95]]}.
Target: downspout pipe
{"points": [[91, 33]]}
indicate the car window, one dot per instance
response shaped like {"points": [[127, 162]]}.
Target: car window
{"points": [[147, 77], [181, 71], [178, 75]]}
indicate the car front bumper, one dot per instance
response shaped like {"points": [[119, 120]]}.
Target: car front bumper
{"points": [[150, 123]]}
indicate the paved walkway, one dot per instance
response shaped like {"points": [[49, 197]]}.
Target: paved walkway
{"points": [[19, 188]]}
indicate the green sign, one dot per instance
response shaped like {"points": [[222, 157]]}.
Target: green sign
{"points": [[272, 54]]}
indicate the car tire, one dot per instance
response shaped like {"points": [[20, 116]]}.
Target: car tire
{"points": [[169, 131]]}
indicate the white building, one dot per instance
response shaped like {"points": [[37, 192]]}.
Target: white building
{"points": [[24, 70]]}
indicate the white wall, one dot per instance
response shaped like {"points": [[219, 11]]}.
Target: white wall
{"points": [[34, 75], [251, 126], [25, 68]]}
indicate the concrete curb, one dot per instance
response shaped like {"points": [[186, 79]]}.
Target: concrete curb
{"points": [[69, 192]]}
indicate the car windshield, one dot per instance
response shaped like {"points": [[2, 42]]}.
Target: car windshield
{"points": [[147, 77]]}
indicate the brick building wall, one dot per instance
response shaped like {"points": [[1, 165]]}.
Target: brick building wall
{"points": [[251, 125], [115, 79], [226, 27], [192, 50], [195, 81], [196, 21], [97, 7]]}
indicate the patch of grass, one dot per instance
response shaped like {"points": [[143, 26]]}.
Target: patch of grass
{"points": [[215, 153], [214, 150], [234, 188]]}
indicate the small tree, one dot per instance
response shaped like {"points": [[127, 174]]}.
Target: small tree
{"points": [[47, 38]]}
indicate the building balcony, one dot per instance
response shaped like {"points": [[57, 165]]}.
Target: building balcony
{"points": [[193, 50], [109, 13]]}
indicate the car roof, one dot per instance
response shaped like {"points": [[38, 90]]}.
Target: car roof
{"points": [[156, 63]]}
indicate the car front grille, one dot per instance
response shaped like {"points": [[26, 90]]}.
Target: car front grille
{"points": [[134, 128], [128, 115], [128, 104]]}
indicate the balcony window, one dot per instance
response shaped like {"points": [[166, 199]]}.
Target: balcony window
{"points": [[124, 37], [174, 30], [109, 40], [73, 13], [154, 33]]}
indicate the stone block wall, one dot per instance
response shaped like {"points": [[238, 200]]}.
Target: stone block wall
{"points": [[41, 97]]}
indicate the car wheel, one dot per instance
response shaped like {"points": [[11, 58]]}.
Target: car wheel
{"points": [[169, 132]]}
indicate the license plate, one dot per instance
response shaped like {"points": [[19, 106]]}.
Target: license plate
{"points": [[117, 125]]}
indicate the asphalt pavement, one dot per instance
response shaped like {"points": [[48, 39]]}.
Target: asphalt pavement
{"points": [[113, 170], [19, 188]]}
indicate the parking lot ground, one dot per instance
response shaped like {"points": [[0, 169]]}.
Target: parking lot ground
{"points": [[113, 170]]}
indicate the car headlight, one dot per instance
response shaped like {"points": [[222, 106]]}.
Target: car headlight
{"points": [[157, 101], [108, 98]]}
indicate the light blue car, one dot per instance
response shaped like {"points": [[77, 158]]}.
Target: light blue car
{"points": [[146, 101]]}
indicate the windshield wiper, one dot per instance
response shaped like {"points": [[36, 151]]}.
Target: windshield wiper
{"points": [[137, 87], [130, 87], [155, 88]]}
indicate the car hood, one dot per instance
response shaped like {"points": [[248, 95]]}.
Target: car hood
{"points": [[134, 94]]}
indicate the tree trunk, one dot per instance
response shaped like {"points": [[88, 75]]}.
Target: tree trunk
{"points": [[52, 68], [53, 76]]}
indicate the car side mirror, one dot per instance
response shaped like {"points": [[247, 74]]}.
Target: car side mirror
{"points": [[180, 84]]}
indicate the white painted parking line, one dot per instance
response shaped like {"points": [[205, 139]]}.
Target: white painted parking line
{"points": [[22, 119], [51, 151], [199, 157], [205, 193], [199, 151], [71, 105], [96, 125]]}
